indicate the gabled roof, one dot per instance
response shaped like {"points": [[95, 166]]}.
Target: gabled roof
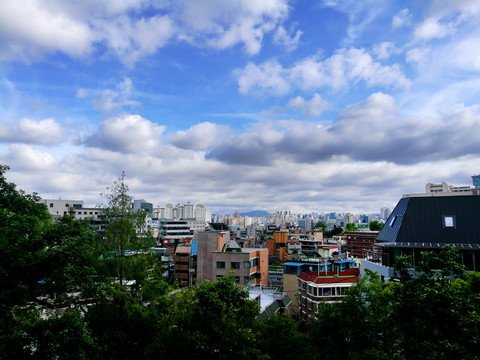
{"points": [[434, 220]]}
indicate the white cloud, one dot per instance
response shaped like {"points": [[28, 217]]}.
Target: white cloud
{"points": [[126, 133], [313, 107], [384, 50], [46, 132], [223, 24], [290, 42], [403, 18], [115, 99], [32, 29], [199, 137], [132, 39], [418, 55], [269, 76], [344, 68], [26, 158], [431, 28]]}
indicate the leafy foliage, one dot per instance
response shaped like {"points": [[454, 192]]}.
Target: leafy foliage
{"points": [[122, 225], [375, 225], [430, 313], [350, 227], [320, 225], [54, 303]]}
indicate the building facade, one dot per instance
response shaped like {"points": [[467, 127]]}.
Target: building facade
{"points": [[216, 257]]}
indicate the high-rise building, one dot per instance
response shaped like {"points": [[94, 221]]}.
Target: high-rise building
{"points": [[384, 213], [476, 181], [143, 205]]}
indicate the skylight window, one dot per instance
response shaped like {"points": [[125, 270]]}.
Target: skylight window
{"points": [[449, 221], [392, 220]]}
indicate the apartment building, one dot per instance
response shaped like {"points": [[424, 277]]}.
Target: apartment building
{"points": [[217, 255], [317, 287]]}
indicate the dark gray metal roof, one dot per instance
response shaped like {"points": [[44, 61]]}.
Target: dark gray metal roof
{"points": [[421, 220]]}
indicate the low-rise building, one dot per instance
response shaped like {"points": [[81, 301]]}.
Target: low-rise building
{"points": [[317, 287]]}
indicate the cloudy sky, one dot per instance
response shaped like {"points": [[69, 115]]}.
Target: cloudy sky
{"points": [[241, 104]]}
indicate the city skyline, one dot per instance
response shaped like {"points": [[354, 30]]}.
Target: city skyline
{"points": [[240, 105]]}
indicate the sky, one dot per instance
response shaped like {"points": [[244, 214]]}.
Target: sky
{"points": [[307, 106]]}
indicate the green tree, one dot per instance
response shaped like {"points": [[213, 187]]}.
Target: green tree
{"points": [[122, 227], [280, 338], [214, 321], [321, 225], [350, 227], [42, 264], [431, 313], [375, 225]]}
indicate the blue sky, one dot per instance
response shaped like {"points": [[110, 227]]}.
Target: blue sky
{"points": [[239, 105]]}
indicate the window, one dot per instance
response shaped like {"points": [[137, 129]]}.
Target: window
{"points": [[51, 204], [246, 280], [220, 264], [449, 221], [246, 264], [66, 205], [327, 291], [392, 220], [235, 265]]}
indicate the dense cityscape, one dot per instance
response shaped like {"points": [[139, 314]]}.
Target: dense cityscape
{"points": [[251, 180]]}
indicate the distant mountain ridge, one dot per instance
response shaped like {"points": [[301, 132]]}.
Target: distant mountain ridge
{"points": [[255, 213]]}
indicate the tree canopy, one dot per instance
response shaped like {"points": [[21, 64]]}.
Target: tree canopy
{"points": [[431, 313], [375, 225], [60, 298]]}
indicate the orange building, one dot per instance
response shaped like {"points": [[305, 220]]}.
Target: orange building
{"points": [[277, 246]]}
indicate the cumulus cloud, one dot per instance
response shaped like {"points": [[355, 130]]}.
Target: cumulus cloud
{"points": [[131, 39], [199, 137], [134, 29], [385, 136], [126, 133], [31, 29], [26, 158], [290, 42], [384, 50], [344, 68], [114, 99], [445, 16], [45, 132], [313, 107], [432, 28], [269, 76], [223, 24]]}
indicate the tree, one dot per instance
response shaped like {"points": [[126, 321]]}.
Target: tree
{"points": [[375, 225], [121, 226], [321, 225], [280, 338], [430, 313], [350, 227], [214, 321], [41, 262]]}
